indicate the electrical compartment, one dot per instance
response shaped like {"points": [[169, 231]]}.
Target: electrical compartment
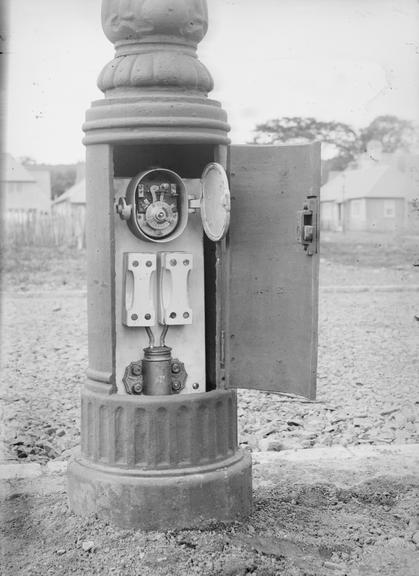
{"points": [[166, 287]]}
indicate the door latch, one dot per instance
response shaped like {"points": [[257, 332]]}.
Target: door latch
{"points": [[307, 227]]}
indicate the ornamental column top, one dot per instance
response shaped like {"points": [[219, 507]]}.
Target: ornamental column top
{"points": [[179, 21], [156, 89], [155, 43]]}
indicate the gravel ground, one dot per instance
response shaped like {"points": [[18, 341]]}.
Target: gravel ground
{"points": [[368, 359], [44, 357], [367, 394], [367, 380]]}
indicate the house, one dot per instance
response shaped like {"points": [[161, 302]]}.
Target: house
{"points": [[70, 210], [71, 200], [25, 189], [375, 196]]}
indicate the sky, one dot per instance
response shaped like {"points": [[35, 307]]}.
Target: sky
{"points": [[346, 60]]}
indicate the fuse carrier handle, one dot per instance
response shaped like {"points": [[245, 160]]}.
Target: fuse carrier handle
{"points": [[139, 306], [161, 278], [174, 271]]}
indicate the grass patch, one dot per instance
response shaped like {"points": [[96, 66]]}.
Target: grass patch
{"points": [[28, 267]]}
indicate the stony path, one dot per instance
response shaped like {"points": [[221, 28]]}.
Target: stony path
{"points": [[367, 380], [44, 356]]}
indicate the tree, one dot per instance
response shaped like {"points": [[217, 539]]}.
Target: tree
{"points": [[393, 133], [27, 161], [342, 141]]}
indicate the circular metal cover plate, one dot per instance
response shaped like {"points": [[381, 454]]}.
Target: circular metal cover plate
{"points": [[215, 202]]}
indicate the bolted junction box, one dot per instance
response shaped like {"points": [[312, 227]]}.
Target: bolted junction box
{"points": [[196, 285]]}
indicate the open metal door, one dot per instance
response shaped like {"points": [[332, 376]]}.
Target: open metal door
{"points": [[271, 329]]}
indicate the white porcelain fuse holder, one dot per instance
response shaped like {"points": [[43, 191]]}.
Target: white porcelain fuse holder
{"points": [[174, 271], [139, 306]]}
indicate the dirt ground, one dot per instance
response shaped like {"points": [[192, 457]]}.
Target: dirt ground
{"points": [[301, 528], [367, 394]]}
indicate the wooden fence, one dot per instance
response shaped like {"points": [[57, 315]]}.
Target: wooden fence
{"points": [[32, 228]]}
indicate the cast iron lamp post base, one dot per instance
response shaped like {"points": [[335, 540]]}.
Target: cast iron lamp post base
{"points": [[160, 463]]}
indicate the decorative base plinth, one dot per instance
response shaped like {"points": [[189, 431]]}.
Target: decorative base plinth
{"points": [[160, 462], [165, 500]]}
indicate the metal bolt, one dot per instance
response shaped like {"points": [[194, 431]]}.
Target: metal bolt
{"points": [[186, 262], [147, 316], [136, 369], [173, 315], [186, 314], [173, 262], [135, 263], [134, 316], [137, 388], [175, 368], [149, 263], [195, 385], [123, 210], [176, 386]]}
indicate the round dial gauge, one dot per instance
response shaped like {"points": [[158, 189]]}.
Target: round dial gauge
{"points": [[158, 205]]}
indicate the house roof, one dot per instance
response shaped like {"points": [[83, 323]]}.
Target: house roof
{"points": [[12, 171], [369, 181], [75, 195]]}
